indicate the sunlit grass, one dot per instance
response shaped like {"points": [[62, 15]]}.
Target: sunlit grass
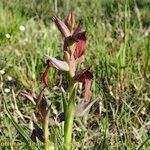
{"points": [[118, 52]]}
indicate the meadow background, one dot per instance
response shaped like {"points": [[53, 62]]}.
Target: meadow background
{"points": [[118, 50]]}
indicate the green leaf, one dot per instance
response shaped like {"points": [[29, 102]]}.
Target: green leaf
{"points": [[30, 145]]}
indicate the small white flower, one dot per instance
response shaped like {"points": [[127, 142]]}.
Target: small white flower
{"points": [[6, 90], [22, 28], [121, 134], [1, 115], [9, 78], [7, 36], [2, 71]]}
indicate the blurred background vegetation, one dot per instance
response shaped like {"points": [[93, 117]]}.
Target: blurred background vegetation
{"points": [[118, 34]]}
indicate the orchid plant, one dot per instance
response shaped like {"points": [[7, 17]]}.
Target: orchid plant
{"points": [[73, 49]]}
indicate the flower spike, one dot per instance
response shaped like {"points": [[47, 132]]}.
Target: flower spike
{"points": [[74, 47]]}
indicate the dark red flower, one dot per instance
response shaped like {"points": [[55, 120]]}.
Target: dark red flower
{"points": [[86, 78], [79, 39], [81, 44]]}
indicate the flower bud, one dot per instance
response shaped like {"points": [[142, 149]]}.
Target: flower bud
{"points": [[62, 27], [70, 21]]}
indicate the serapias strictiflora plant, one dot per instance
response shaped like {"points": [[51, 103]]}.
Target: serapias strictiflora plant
{"points": [[73, 49]]}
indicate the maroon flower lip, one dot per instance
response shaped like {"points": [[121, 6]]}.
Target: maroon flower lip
{"points": [[85, 77], [81, 44]]}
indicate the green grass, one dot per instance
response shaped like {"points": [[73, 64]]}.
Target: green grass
{"points": [[118, 51]]}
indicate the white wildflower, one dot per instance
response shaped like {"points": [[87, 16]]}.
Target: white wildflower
{"points": [[121, 134], [6, 90], [22, 28], [2, 71], [7, 36], [9, 78]]}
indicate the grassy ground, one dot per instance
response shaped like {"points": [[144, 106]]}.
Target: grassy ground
{"points": [[118, 51]]}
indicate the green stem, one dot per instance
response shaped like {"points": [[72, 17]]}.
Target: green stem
{"points": [[69, 116], [69, 110]]}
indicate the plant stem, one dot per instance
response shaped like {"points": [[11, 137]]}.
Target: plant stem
{"points": [[69, 113], [69, 116]]}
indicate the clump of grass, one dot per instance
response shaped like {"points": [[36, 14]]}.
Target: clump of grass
{"points": [[121, 118]]}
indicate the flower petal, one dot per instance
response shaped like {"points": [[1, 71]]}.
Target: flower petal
{"points": [[53, 62], [45, 76], [77, 29], [81, 44], [83, 75], [77, 42], [30, 97], [61, 26], [58, 64], [87, 92], [86, 78]]}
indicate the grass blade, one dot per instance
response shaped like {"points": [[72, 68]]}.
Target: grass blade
{"points": [[20, 130]]}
